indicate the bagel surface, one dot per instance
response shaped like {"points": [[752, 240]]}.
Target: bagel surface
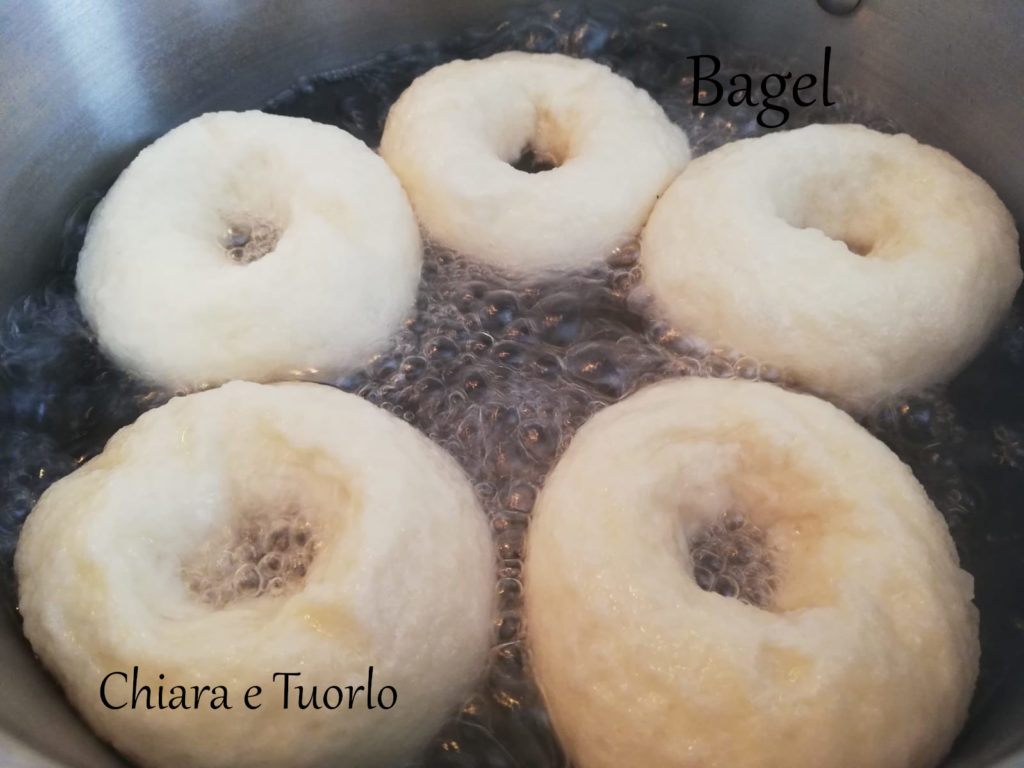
{"points": [[249, 246], [140, 558], [455, 133], [865, 264], [866, 652]]}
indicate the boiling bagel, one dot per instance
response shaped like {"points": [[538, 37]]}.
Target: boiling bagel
{"points": [[249, 246], [454, 135], [865, 264], [857, 645], [253, 530]]}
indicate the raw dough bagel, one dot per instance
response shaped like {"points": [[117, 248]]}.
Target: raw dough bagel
{"points": [[452, 136], [757, 246], [867, 652], [145, 557], [178, 295]]}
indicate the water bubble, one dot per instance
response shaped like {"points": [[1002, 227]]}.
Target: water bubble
{"points": [[475, 385], [727, 586], [708, 559], [521, 496], [479, 342], [508, 626], [595, 363], [539, 440], [499, 309], [625, 256], [510, 353], [733, 558], [248, 581], [441, 348], [560, 319], [278, 539], [705, 578]]}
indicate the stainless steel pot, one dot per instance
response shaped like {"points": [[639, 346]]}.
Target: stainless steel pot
{"points": [[85, 83]]}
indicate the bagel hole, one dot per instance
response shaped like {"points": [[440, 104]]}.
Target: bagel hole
{"points": [[532, 161], [861, 248], [731, 557], [859, 244], [246, 241], [842, 212], [262, 555]]}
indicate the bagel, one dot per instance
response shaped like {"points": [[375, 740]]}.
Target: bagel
{"points": [[252, 530], [453, 137], [856, 646], [249, 246], [864, 264]]}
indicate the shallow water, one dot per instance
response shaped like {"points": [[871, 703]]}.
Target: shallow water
{"points": [[502, 371]]}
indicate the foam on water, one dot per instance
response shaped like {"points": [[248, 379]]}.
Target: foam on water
{"points": [[501, 372], [247, 241], [263, 554], [732, 557]]}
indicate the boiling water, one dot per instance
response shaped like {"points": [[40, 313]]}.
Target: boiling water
{"points": [[502, 371], [262, 554]]}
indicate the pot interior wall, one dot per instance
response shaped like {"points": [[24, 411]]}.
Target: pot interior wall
{"points": [[85, 84]]}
